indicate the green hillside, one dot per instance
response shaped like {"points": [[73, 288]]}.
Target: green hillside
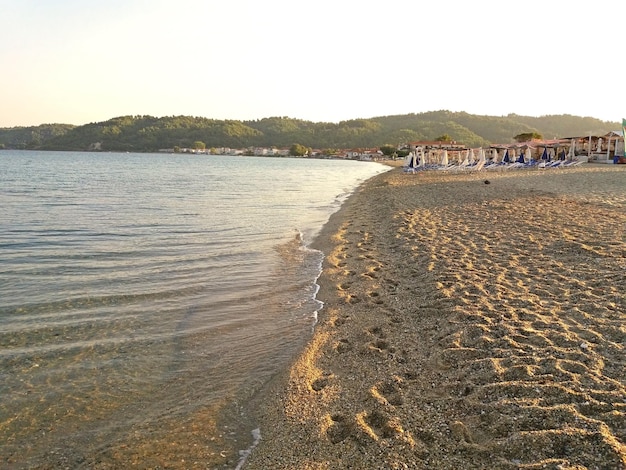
{"points": [[147, 133]]}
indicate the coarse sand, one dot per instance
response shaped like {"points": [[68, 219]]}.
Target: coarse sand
{"points": [[466, 326]]}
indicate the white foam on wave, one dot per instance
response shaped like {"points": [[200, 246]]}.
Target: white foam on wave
{"points": [[244, 454], [316, 286]]}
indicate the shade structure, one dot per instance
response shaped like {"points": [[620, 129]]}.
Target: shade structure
{"points": [[494, 155], [481, 155]]}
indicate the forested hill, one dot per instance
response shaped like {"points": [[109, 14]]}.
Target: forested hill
{"points": [[147, 133]]}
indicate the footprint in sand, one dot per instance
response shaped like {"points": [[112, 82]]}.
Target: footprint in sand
{"points": [[392, 283], [380, 344], [372, 272], [321, 382], [388, 393], [343, 346], [339, 428], [377, 331], [375, 425], [340, 321]]}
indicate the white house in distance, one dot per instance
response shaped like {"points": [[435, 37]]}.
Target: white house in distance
{"points": [[435, 145]]}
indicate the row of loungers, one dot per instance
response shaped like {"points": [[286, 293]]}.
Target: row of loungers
{"points": [[494, 166]]}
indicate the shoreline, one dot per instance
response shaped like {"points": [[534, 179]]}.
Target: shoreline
{"points": [[465, 325]]}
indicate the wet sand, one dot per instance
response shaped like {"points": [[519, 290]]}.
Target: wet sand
{"points": [[466, 326]]}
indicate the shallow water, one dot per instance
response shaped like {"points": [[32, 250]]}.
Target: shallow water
{"points": [[146, 298]]}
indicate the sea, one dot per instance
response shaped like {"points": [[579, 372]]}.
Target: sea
{"points": [[146, 300]]}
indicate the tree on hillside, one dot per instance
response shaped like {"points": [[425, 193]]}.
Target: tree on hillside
{"points": [[199, 145], [443, 138], [526, 136]]}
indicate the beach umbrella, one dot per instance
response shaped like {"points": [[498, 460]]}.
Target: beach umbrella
{"points": [[528, 154], [422, 157], [409, 159], [481, 155], [494, 155], [470, 156], [572, 149], [506, 158], [444, 158], [544, 154], [466, 158]]}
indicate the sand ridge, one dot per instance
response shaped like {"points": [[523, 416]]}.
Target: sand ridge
{"points": [[466, 325]]}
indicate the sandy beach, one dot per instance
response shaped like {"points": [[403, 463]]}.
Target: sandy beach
{"points": [[471, 321]]}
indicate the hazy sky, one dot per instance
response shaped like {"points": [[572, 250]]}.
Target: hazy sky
{"points": [[81, 61]]}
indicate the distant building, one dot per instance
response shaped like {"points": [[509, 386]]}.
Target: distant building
{"points": [[435, 145]]}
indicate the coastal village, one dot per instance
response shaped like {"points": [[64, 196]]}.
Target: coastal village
{"points": [[607, 148]]}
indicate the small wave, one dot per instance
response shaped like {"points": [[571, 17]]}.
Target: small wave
{"points": [[244, 454]]}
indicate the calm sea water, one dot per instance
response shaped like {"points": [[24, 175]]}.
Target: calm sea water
{"points": [[145, 299]]}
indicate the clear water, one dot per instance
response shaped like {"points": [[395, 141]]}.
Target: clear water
{"points": [[146, 298]]}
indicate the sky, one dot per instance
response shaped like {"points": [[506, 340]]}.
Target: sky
{"points": [[82, 61]]}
